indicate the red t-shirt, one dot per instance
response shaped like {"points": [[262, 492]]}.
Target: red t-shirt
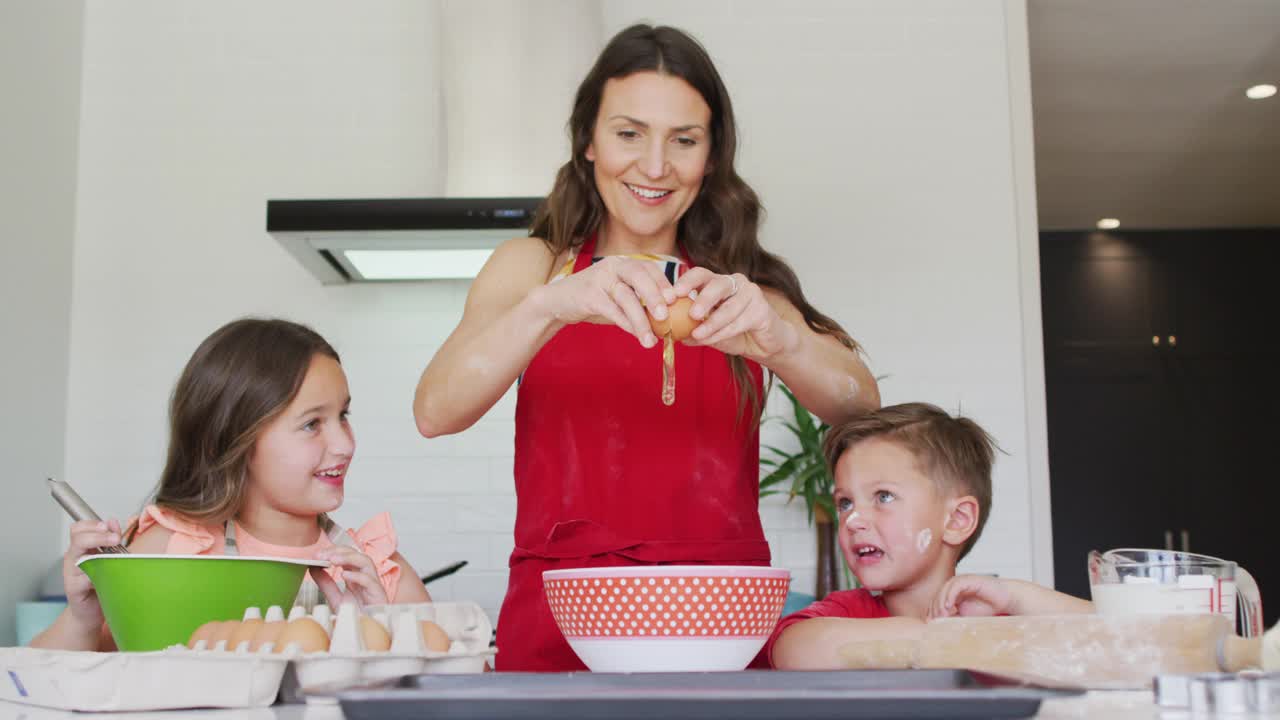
{"points": [[858, 603]]}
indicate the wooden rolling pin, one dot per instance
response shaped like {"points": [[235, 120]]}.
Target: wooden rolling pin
{"points": [[1093, 651]]}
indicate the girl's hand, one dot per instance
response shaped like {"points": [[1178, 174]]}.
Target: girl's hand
{"points": [[615, 290], [358, 574], [738, 317], [972, 595], [82, 601]]}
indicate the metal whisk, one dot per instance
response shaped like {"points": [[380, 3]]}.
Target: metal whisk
{"points": [[78, 509]]}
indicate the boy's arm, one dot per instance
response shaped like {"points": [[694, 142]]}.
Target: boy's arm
{"points": [[1032, 599], [970, 595], [814, 644]]}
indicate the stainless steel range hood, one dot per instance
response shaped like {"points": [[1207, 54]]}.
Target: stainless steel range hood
{"points": [[345, 241]]}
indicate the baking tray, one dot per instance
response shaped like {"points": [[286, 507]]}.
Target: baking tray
{"points": [[747, 695]]}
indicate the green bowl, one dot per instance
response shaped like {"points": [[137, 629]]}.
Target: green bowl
{"points": [[154, 601]]}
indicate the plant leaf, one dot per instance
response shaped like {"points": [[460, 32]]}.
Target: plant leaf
{"points": [[804, 468], [829, 505], [784, 471], [811, 478], [778, 451], [794, 430]]}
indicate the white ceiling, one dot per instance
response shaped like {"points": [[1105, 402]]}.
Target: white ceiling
{"points": [[1140, 112]]}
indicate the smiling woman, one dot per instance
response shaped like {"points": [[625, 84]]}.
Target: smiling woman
{"points": [[610, 468], [648, 172]]}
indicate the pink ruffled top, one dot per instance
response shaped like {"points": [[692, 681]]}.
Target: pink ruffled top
{"points": [[376, 538]]}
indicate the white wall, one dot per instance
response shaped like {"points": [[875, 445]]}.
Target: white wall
{"points": [[880, 135], [497, 102], [40, 84]]}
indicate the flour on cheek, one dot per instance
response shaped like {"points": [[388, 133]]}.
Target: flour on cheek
{"points": [[923, 539]]}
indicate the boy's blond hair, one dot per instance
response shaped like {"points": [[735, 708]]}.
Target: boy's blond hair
{"points": [[954, 452]]}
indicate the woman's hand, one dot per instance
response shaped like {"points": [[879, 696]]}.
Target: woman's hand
{"points": [[972, 595], [615, 290], [82, 601], [358, 574], [737, 318]]}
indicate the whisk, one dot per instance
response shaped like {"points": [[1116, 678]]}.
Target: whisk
{"points": [[78, 509]]}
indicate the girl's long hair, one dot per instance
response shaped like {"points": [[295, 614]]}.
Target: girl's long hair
{"points": [[720, 230], [238, 380]]}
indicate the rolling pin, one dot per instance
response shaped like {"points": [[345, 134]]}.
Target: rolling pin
{"points": [[1092, 651]]}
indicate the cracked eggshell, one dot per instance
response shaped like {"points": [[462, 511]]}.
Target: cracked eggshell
{"points": [[678, 322]]}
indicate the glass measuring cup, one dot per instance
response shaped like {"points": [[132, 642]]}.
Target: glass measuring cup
{"points": [[1130, 581]]}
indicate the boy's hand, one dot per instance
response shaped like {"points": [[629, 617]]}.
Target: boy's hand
{"points": [[358, 574], [972, 595]]}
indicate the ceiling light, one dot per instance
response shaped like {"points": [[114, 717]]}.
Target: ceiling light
{"points": [[1108, 224], [1260, 92]]}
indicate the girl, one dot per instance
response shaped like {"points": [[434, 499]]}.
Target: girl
{"points": [[648, 209], [259, 448]]}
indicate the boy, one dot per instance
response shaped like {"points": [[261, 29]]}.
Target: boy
{"points": [[913, 490]]}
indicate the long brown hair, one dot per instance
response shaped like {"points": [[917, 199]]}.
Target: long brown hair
{"points": [[720, 230], [238, 380]]}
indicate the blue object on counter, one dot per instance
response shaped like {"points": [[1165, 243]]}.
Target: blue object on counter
{"points": [[34, 617], [796, 601]]}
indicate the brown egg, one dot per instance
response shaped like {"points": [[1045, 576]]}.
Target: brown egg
{"points": [[224, 631], [203, 632], [244, 633], [678, 322], [267, 633], [304, 632], [434, 636], [374, 634]]}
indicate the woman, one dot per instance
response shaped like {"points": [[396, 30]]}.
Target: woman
{"points": [[648, 209]]}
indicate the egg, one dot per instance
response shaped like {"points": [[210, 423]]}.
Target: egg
{"points": [[223, 632], [678, 322], [307, 634], [244, 633], [374, 634], [269, 632], [434, 636], [203, 632]]}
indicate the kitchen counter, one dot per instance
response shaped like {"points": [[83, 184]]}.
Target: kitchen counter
{"points": [[1102, 705]]}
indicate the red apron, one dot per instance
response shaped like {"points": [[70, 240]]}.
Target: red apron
{"points": [[607, 475]]}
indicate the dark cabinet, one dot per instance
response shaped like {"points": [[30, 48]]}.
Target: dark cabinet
{"points": [[1163, 396]]}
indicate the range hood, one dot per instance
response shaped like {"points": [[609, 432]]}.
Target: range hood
{"points": [[346, 241]]}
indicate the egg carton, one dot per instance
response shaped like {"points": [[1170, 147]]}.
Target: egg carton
{"points": [[350, 663], [215, 675], [367, 646], [174, 678]]}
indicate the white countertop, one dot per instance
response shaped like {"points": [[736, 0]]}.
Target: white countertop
{"points": [[1100, 705], [13, 711]]}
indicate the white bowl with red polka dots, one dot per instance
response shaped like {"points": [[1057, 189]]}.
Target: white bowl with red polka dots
{"points": [[666, 618]]}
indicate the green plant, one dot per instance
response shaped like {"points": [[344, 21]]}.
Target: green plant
{"points": [[810, 479], [806, 468]]}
